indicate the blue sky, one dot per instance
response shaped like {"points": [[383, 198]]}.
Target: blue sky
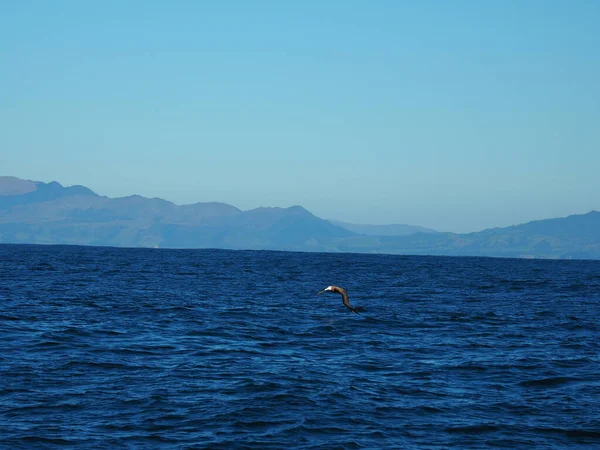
{"points": [[457, 115]]}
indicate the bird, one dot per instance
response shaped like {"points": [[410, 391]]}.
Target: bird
{"points": [[342, 291]]}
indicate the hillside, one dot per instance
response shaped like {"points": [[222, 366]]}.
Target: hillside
{"points": [[396, 229], [576, 236], [49, 213], [53, 214]]}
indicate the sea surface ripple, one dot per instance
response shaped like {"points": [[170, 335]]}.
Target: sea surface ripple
{"points": [[184, 349]]}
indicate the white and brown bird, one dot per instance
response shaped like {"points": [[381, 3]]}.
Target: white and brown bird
{"points": [[342, 291]]}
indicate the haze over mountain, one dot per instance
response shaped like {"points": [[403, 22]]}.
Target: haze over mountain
{"points": [[396, 229], [49, 213]]}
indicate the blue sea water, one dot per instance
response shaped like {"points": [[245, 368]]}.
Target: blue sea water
{"points": [[177, 349]]}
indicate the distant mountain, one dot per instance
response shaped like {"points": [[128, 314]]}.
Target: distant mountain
{"points": [[16, 186], [14, 192], [291, 228], [576, 236], [53, 214], [382, 230], [49, 213]]}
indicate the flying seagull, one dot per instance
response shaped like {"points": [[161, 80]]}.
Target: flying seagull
{"points": [[342, 291]]}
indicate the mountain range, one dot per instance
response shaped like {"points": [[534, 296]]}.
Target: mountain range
{"points": [[49, 213]]}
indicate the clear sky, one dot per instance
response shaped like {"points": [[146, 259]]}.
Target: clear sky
{"points": [[455, 115]]}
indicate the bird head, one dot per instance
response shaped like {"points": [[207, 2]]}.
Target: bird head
{"points": [[328, 288]]}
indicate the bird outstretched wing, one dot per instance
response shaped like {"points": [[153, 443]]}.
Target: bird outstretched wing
{"points": [[347, 301]]}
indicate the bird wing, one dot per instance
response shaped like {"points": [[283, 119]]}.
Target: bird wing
{"points": [[347, 301]]}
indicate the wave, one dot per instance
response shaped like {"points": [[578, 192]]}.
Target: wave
{"points": [[551, 381]]}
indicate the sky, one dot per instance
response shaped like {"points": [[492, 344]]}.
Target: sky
{"points": [[455, 115]]}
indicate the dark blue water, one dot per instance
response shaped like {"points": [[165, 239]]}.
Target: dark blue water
{"points": [[127, 348]]}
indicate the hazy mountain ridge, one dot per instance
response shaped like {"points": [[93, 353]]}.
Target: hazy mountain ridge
{"points": [[16, 186], [576, 236], [41, 192], [53, 214], [395, 229]]}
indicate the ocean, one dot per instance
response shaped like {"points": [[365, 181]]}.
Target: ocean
{"points": [[107, 348]]}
